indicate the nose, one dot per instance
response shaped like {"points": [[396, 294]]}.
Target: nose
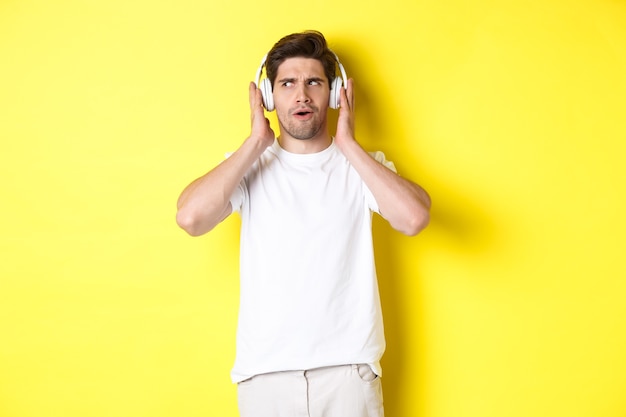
{"points": [[301, 94]]}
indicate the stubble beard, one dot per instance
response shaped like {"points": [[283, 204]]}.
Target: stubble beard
{"points": [[301, 130]]}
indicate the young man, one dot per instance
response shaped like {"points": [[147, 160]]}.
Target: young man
{"points": [[310, 331]]}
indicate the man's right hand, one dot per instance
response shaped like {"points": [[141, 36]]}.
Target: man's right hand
{"points": [[261, 130]]}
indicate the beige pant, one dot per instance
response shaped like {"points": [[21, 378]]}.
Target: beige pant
{"points": [[336, 391]]}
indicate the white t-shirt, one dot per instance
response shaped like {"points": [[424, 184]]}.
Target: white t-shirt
{"points": [[309, 294]]}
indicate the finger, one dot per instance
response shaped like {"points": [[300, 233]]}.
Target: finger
{"points": [[253, 96], [346, 96], [350, 93]]}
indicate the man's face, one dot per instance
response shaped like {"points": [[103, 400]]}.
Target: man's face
{"points": [[301, 93]]}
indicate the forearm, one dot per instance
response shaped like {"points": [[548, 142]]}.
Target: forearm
{"points": [[206, 201], [404, 204]]}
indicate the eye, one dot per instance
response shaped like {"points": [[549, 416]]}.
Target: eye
{"points": [[287, 83], [314, 82]]}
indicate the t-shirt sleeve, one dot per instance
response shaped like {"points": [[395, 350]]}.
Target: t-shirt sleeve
{"points": [[380, 157], [237, 198], [369, 197]]}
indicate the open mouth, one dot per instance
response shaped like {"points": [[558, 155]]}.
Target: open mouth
{"points": [[302, 112]]}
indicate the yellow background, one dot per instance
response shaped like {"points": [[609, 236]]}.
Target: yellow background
{"points": [[510, 113]]}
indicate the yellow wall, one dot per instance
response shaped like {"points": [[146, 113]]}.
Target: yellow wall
{"points": [[511, 114]]}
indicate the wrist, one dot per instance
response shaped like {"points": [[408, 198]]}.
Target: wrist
{"points": [[260, 142], [345, 142]]}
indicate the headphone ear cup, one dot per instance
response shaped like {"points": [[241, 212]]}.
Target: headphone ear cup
{"points": [[266, 91], [335, 93]]}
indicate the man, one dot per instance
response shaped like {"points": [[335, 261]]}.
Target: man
{"points": [[310, 331]]}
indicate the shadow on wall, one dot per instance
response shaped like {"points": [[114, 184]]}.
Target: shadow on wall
{"points": [[391, 285], [466, 230]]}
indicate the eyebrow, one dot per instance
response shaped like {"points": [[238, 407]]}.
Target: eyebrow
{"points": [[292, 79]]}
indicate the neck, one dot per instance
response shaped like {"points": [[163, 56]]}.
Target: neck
{"points": [[313, 145]]}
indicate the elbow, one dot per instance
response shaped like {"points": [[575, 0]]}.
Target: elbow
{"points": [[417, 224], [416, 221], [418, 214], [196, 221], [189, 223], [409, 219]]}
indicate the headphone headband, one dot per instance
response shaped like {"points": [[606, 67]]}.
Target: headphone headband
{"points": [[258, 72], [344, 77]]}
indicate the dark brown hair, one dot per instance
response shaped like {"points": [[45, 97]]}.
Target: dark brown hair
{"points": [[308, 44]]}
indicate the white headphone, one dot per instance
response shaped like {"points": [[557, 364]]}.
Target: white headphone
{"points": [[265, 85]]}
